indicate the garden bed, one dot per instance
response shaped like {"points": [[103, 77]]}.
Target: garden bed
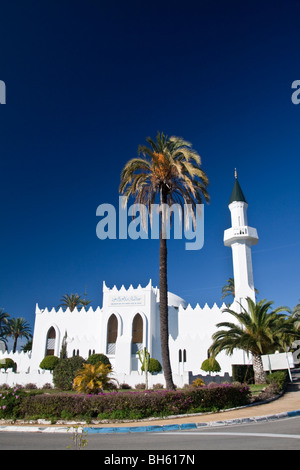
{"points": [[121, 405]]}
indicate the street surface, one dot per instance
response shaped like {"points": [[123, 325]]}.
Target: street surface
{"points": [[283, 434]]}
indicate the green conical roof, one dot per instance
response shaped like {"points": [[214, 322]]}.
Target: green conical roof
{"points": [[237, 193]]}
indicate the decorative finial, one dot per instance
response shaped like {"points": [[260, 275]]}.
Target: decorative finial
{"points": [[235, 173]]}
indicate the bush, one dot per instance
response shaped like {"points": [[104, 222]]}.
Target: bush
{"points": [[279, 377], [133, 405], [211, 365], [49, 362], [124, 386], [8, 363], [158, 386], [141, 386], [243, 373], [96, 358], [154, 366], [65, 371], [198, 383], [9, 401]]}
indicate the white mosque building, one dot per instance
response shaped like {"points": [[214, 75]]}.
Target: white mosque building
{"points": [[129, 321]]}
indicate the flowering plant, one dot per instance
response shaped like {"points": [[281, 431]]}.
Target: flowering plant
{"points": [[9, 400]]}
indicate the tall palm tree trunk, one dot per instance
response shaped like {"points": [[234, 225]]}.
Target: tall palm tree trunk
{"points": [[259, 373], [15, 343], [163, 303]]}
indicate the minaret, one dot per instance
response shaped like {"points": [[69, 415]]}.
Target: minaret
{"points": [[241, 237]]}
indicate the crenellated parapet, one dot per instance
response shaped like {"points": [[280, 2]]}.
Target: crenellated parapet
{"points": [[67, 311]]}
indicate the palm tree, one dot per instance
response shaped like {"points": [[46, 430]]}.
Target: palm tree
{"points": [[4, 316], [228, 289], [92, 378], [296, 315], [167, 169], [72, 301], [18, 328], [258, 332]]}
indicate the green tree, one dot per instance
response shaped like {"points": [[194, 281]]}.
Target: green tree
{"points": [[63, 351], [296, 315], [27, 347], [229, 289], [211, 365], [167, 170], [73, 301], [258, 331], [65, 371], [4, 319], [18, 328]]}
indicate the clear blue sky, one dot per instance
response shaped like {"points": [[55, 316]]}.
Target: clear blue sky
{"points": [[87, 82]]}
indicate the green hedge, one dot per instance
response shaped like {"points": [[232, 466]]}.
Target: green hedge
{"points": [[132, 405], [243, 373], [65, 371]]}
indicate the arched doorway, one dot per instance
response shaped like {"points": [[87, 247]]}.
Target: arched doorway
{"points": [[112, 334], [137, 334], [50, 342]]}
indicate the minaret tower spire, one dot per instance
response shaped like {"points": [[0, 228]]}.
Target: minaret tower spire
{"points": [[240, 237]]}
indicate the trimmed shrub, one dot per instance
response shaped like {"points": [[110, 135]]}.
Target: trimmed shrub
{"points": [[96, 358], [8, 363], [211, 365], [49, 362], [154, 366], [65, 371]]}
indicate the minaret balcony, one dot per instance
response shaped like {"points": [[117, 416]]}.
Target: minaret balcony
{"points": [[243, 232]]}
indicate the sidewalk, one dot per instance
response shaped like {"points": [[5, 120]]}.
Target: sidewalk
{"points": [[286, 406], [283, 407]]}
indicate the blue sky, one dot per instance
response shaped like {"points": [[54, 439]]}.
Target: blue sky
{"points": [[87, 82]]}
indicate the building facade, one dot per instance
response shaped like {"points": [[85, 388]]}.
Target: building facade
{"points": [[129, 321]]}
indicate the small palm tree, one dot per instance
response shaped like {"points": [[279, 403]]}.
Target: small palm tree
{"points": [[92, 378], [4, 318], [228, 289], [167, 170], [73, 301], [258, 332], [18, 328]]}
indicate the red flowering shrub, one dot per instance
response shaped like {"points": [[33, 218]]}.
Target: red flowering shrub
{"points": [[133, 405]]}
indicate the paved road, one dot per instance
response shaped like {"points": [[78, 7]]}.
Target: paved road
{"points": [[283, 434]]}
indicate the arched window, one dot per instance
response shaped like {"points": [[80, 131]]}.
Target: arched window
{"points": [[137, 334], [50, 343], [112, 334]]}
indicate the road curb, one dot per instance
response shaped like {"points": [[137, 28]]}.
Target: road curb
{"points": [[153, 428]]}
